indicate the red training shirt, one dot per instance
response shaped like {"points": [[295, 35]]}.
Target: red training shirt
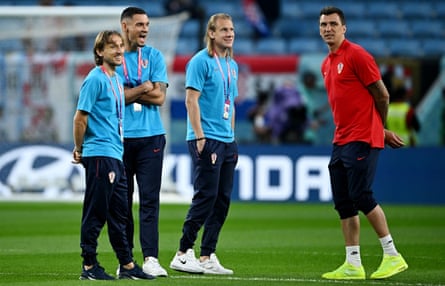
{"points": [[347, 73]]}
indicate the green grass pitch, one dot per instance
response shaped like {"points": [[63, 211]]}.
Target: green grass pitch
{"points": [[264, 243]]}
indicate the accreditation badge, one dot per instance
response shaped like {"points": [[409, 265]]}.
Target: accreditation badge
{"points": [[226, 109], [137, 107]]}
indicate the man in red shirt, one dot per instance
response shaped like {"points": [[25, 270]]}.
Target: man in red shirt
{"points": [[359, 102]]}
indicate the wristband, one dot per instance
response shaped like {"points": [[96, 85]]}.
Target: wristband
{"points": [[200, 138]]}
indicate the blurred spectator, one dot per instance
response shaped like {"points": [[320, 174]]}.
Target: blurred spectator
{"points": [[195, 10], [271, 11], [287, 115], [257, 116], [320, 126], [262, 15], [402, 118], [43, 127], [3, 126], [74, 43], [54, 44]]}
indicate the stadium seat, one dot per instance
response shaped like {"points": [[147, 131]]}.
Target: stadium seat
{"points": [[405, 47], [382, 10], [290, 8], [301, 46], [393, 28], [308, 27], [439, 9], [243, 29], [417, 10], [286, 27], [273, 46], [361, 28], [153, 8], [353, 10], [433, 47], [233, 8], [310, 9], [377, 47], [190, 28], [243, 46], [427, 28]]}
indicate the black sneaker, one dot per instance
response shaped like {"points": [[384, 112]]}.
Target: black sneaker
{"points": [[135, 274], [95, 273]]}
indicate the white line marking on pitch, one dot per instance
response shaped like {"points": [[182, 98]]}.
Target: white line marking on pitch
{"points": [[271, 279]]}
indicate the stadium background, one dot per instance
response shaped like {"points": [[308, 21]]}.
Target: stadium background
{"points": [[36, 92]]}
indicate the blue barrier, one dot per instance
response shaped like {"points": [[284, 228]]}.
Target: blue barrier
{"points": [[264, 173], [299, 173]]}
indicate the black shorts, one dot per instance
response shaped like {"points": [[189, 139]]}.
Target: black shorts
{"points": [[352, 169]]}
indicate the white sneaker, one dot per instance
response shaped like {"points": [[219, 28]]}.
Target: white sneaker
{"points": [[212, 266], [152, 267], [186, 263]]}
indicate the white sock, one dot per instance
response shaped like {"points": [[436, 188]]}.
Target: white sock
{"points": [[353, 255], [388, 245]]}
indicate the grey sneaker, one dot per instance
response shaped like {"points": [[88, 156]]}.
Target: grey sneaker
{"points": [[213, 266], [152, 267], [186, 262]]}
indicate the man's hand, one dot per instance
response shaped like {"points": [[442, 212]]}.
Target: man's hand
{"points": [[77, 156], [147, 86], [393, 140]]}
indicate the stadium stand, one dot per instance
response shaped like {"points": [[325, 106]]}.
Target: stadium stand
{"points": [[383, 23], [391, 28], [417, 10]]}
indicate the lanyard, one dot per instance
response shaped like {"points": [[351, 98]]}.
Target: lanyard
{"points": [[126, 74], [118, 99], [226, 90]]}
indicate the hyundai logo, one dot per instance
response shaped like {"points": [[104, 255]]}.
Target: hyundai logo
{"points": [[39, 169]]}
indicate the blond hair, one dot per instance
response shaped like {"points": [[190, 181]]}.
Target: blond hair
{"points": [[211, 26]]}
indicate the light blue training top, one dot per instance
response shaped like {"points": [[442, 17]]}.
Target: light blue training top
{"points": [[204, 75], [143, 120], [97, 98]]}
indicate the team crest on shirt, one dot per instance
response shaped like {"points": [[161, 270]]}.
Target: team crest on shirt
{"points": [[233, 71], [340, 67], [145, 63]]}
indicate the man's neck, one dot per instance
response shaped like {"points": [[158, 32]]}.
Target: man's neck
{"points": [[109, 69], [222, 53], [132, 47]]}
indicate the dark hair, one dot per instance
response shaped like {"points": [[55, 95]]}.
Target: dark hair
{"points": [[131, 11], [328, 10], [102, 39]]}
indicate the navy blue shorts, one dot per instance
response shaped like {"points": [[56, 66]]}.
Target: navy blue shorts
{"points": [[352, 169]]}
